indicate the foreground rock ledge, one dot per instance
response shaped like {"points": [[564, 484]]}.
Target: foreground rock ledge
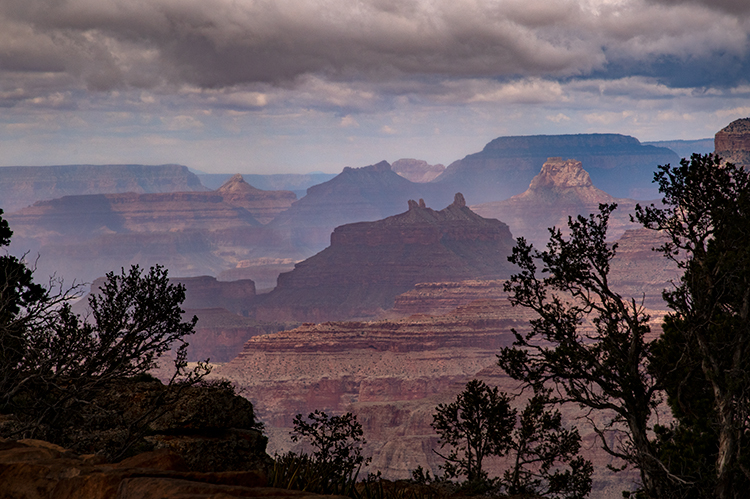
{"points": [[34, 469]]}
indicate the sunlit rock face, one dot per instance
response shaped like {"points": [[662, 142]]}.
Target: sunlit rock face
{"points": [[619, 164], [22, 186], [560, 190], [369, 263], [732, 142]]}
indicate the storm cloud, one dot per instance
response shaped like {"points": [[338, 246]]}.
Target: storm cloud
{"points": [[111, 44], [179, 64]]}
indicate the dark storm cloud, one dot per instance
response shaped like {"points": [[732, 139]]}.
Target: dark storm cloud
{"points": [[731, 6], [118, 44]]}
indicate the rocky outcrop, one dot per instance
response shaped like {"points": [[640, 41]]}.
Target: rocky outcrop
{"points": [[357, 194], [618, 164], [208, 292], [561, 189], [262, 205], [369, 263], [298, 183], [373, 368], [732, 142], [22, 186], [34, 469], [417, 170]]}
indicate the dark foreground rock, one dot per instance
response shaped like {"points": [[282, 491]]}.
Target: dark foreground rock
{"points": [[34, 469]]}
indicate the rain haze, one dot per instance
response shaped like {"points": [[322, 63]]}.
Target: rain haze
{"points": [[266, 86]]}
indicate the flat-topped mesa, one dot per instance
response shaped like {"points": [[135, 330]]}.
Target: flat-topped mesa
{"points": [[732, 142]]}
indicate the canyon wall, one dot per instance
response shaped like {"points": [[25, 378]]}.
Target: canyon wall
{"points": [[732, 142], [22, 186]]}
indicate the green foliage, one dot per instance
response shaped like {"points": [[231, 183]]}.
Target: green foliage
{"points": [[336, 459], [704, 353], [587, 340]]}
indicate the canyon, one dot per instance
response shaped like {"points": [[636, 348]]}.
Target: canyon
{"points": [[418, 295]]}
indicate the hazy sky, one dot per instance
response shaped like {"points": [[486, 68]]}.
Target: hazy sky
{"points": [[302, 85]]}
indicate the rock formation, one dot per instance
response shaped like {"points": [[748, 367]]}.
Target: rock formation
{"points": [[298, 183], [34, 469], [22, 186], [262, 205], [732, 142], [561, 189], [442, 297], [378, 369], [191, 233], [618, 164], [417, 170], [357, 194], [369, 263]]}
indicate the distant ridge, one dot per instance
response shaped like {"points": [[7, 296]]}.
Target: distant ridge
{"points": [[561, 189], [619, 164], [22, 186]]}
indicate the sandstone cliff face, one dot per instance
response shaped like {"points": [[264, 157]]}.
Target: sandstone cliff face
{"points": [[618, 164], [561, 189], [369, 263], [378, 369], [417, 170], [22, 185], [732, 142]]}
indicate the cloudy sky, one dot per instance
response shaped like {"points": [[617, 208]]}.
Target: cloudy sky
{"points": [[315, 85]]}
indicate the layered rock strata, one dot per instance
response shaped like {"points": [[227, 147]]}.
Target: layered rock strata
{"points": [[369, 263], [378, 369], [191, 233], [22, 186], [732, 142]]}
